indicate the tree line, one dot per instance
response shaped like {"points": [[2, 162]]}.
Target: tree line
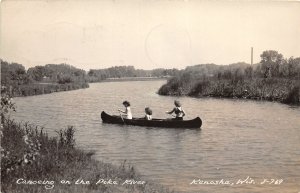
{"points": [[41, 79], [61, 77], [273, 78], [96, 75], [14, 73], [272, 65]]}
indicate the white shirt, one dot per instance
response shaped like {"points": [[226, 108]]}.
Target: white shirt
{"points": [[128, 113], [148, 117]]}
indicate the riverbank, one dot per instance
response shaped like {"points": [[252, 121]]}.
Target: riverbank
{"points": [[44, 88], [47, 88], [271, 89], [31, 161], [123, 79]]}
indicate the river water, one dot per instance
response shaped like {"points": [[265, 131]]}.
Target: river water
{"points": [[239, 138]]}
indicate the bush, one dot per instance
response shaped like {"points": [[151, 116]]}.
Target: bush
{"points": [[199, 88], [65, 80], [293, 96]]}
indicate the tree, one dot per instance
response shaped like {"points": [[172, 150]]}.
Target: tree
{"points": [[297, 62], [13, 74], [293, 67], [270, 63], [37, 73], [249, 72]]}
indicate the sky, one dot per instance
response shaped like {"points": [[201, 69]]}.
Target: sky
{"points": [[146, 34]]}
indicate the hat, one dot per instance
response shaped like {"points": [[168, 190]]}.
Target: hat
{"points": [[148, 111], [126, 103], [177, 103]]}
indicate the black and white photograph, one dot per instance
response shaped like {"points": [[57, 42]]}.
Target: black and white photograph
{"points": [[150, 96]]}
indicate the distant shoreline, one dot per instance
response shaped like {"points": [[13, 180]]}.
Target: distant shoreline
{"points": [[41, 88], [124, 79], [44, 88]]}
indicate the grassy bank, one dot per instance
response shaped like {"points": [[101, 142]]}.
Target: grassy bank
{"points": [[28, 155], [274, 78], [44, 88], [271, 89]]}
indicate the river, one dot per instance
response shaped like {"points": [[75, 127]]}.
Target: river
{"points": [[239, 138]]}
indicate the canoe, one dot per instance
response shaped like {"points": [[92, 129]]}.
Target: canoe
{"points": [[169, 123]]}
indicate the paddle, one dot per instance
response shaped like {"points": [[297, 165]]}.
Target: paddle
{"points": [[170, 114], [121, 116]]}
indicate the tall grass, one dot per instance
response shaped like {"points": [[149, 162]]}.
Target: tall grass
{"points": [[28, 153], [38, 88], [271, 89]]}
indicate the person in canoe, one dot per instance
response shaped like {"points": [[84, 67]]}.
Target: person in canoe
{"points": [[127, 111], [148, 112], [179, 112]]}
